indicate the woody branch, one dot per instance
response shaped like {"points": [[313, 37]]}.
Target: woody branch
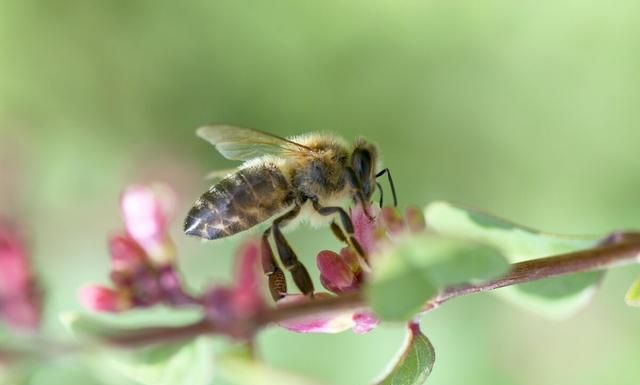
{"points": [[617, 250]]}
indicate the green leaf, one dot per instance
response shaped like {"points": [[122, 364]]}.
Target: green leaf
{"points": [[415, 268], [556, 297], [83, 325], [186, 363], [239, 368], [633, 294], [415, 361], [183, 363], [101, 325]]}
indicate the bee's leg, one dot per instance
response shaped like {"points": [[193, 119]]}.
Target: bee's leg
{"points": [[275, 275], [346, 224], [337, 231], [288, 256]]}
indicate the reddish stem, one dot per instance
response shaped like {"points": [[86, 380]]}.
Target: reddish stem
{"points": [[617, 250]]}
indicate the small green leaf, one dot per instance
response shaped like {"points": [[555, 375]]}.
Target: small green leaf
{"points": [[556, 297], [415, 268], [102, 325], [83, 325], [239, 368], [415, 362], [633, 294], [186, 363]]}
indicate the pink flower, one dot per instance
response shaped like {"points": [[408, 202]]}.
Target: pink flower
{"points": [[364, 227], [102, 299], [20, 300], [143, 272], [336, 274], [344, 271], [331, 322], [228, 305], [248, 280], [147, 211]]}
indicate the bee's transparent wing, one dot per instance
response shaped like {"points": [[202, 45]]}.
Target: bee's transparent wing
{"points": [[244, 143]]}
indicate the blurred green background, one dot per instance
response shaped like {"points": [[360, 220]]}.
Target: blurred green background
{"points": [[528, 109]]}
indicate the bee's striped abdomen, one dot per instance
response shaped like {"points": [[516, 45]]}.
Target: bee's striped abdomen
{"points": [[238, 202]]}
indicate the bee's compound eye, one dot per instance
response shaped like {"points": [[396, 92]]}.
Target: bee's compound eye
{"points": [[361, 163]]}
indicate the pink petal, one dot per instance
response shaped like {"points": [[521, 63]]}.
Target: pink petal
{"points": [[247, 293], [147, 211], [126, 255], [365, 322], [334, 322], [415, 219], [365, 228], [22, 312], [20, 298], [15, 272], [102, 299], [392, 220], [218, 305], [335, 273]]}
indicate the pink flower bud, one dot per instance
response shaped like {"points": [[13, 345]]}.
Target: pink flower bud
{"points": [[365, 322], [126, 255], [102, 299], [219, 306], [415, 219], [247, 293], [228, 306], [147, 211], [364, 227], [352, 260], [20, 300], [392, 220], [336, 274], [14, 265]]}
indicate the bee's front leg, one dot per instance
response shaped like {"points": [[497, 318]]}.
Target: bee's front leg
{"points": [[288, 257], [350, 239]]}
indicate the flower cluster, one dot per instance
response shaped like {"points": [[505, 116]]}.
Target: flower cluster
{"points": [[230, 306], [143, 271], [20, 295], [346, 271]]}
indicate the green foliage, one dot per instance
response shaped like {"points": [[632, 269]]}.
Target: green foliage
{"points": [[415, 268], [189, 363], [237, 367], [555, 297], [633, 294], [186, 363], [415, 362]]}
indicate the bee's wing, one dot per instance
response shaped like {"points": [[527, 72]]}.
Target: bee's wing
{"points": [[244, 143]]}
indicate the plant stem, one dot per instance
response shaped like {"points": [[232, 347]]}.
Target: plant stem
{"points": [[618, 249]]}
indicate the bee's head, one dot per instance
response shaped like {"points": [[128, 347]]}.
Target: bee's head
{"points": [[364, 161]]}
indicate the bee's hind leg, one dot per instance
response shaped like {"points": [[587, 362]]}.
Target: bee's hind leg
{"points": [[350, 238], [288, 257], [275, 275]]}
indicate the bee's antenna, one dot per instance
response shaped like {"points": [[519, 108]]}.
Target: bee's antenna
{"points": [[381, 193], [393, 188]]}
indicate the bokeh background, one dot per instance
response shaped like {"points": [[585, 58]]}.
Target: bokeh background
{"points": [[528, 109]]}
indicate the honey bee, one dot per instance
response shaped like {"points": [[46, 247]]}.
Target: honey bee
{"points": [[310, 176]]}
